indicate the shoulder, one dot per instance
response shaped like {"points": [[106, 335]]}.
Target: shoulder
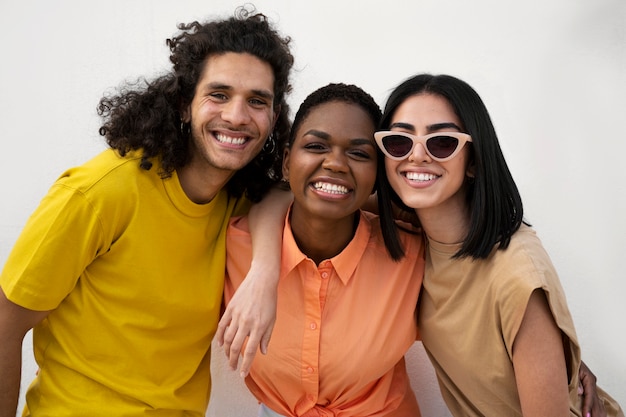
{"points": [[515, 272], [412, 239], [525, 253], [106, 187], [106, 170]]}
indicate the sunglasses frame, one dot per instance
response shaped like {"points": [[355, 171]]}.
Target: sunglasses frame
{"points": [[462, 138]]}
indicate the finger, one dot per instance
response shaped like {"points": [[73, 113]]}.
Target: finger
{"points": [[229, 336], [597, 409], [587, 395], [587, 404], [265, 341], [221, 328], [249, 353], [235, 349]]}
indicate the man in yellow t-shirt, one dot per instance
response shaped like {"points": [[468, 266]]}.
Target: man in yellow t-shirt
{"points": [[120, 270]]}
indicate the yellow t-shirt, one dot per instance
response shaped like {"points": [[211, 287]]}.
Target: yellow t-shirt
{"points": [[133, 271], [470, 312], [342, 327]]}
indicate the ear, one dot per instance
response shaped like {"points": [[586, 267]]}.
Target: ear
{"points": [[277, 110], [185, 114], [286, 164], [469, 172]]}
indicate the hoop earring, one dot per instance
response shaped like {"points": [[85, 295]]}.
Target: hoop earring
{"points": [[270, 144], [185, 128], [284, 184]]}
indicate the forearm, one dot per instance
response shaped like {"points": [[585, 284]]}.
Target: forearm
{"points": [[10, 376], [15, 322], [266, 221], [251, 312]]}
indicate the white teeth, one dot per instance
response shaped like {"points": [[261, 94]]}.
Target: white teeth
{"points": [[420, 176], [330, 188], [227, 139]]}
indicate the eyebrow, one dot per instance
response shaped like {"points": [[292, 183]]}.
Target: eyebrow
{"points": [[430, 128], [221, 86], [323, 135], [318, 133]]}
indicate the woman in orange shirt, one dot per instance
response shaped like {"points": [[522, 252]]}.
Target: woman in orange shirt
{"points": [[345, 313]]}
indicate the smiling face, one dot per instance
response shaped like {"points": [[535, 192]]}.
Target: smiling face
{"points": [[331, 165], [231, 114], [421, 182]]}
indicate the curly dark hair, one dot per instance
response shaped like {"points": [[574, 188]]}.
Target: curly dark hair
{"points": [[147, 116]]}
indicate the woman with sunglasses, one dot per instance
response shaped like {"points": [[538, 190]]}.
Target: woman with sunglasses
{"points": [[346, 307], [492, 314]]}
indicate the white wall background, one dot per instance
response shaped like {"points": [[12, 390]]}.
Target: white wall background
{"points": [[552, 72]]}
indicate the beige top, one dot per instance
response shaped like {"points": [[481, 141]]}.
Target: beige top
{"points": [[470, 313]]}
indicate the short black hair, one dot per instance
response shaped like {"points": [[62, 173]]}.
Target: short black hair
{"points": [[351, 94]]}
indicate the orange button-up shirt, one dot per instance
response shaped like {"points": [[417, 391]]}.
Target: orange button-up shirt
{"points": [[342, 328]]}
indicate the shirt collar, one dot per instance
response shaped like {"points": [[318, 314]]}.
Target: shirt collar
{"points": [[344, 264]]}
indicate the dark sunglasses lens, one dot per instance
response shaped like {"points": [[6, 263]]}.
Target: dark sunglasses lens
{"points": [[442, 146], [397, 145]]}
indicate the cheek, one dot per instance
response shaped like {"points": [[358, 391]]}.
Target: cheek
{"points": [[392, 176], [457, 168], [265, 121], [298, 169], [367, 178]]}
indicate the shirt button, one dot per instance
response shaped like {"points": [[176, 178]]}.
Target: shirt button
{"points": [[324, 275], [313, 326], [309, 370]]}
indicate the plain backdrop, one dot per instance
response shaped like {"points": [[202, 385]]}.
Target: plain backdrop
{"points": [[552, 73]]}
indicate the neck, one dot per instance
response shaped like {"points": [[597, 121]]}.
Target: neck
{"points": [[200, 183], [319, 238], [448, 224]]}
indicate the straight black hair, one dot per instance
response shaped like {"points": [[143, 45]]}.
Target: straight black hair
{"points": [[495, 205]]}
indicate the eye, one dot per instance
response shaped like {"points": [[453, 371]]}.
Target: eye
{"points": [[258, 102], [218, 96], [360, 154], [317, 147]]}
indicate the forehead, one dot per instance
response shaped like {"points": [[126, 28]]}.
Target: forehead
{"points": [[339, 119], [240, 71], [425, 109]]}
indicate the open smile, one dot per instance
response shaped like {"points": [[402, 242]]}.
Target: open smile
{"points": [[420, 176], [231, 140], [329, 188]]}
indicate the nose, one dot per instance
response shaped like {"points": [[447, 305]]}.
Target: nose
{"points": [[335, 161], [236, 111], [419, 154]]}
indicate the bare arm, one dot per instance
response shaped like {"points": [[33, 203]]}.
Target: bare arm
{"points": [[15, 322], [539, 362], [252, 311]]}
